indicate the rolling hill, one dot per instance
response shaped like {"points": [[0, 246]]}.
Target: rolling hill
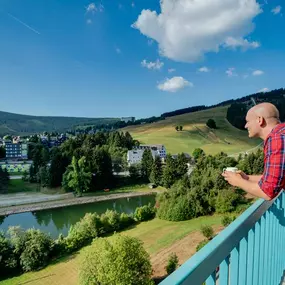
{"points": [[16, 124], [195, 133]]}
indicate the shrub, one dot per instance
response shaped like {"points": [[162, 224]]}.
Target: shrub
{"points": [[126, 220], [227, 201], [207, 232], [211, 124], [123, 260], [8, 261], [201, 244], [226, 220], [172, 263], [83, 231], [110, 221], [32, 247], [144, 213]]}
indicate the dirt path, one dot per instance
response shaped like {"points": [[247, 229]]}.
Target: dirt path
{"points": [[183, 248], [4, 211]]}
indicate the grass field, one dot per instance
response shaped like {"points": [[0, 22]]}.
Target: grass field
{"points": [[18, 185], [156, 235], [195, 133]]}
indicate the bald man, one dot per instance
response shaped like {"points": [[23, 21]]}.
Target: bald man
{"points": [[263, 121]]}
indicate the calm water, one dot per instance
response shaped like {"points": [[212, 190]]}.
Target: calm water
{"points": [[56, 221]]}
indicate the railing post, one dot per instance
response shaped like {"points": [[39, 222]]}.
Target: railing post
{"points": [[256, 254], [250, 255]]}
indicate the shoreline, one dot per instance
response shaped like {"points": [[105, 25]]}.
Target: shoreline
{"points": [[10, 210]]}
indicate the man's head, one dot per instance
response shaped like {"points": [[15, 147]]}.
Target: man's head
{"points": [[261, 119]]}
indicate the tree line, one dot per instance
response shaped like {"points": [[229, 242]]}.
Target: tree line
{"points": [[86, 162]]}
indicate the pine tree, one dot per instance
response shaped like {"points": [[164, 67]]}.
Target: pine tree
{"points": [[156, 171], [169, 171], [146, 164]]}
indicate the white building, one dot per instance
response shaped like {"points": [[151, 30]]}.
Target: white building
{"points": [[134, 156], [159, 148]]}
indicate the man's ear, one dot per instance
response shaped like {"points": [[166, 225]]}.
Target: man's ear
{"points": [[261, 121]]}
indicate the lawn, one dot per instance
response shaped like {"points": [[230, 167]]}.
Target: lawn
{"points": [[18, 185], [155, 234], [195, 133]]}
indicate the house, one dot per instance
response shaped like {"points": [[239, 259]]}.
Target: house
{"points": [[158, 148], [134, 156], [128, 119], [16, 150]]}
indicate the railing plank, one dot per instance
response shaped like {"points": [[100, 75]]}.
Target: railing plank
{"points": [[224, 272], [234, 266], [242, 261], [256, 264], [211, 280], [261, 250], [270, 247], [250, 257]]}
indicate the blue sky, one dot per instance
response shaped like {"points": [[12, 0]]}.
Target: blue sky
{"points": [[136, 58]]}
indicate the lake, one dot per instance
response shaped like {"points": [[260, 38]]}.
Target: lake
{"points": [[56, 221]]}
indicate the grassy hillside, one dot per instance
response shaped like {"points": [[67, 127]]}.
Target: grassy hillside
{"points": [[195, 133], [23, 124]]}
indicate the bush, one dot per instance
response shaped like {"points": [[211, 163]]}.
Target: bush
{"points": [[172, 263], [123, 260], [201, 244], [126, 220], [207, 232], [83, 231], [211, 124], [227, 201], [8, 261], [226, 220], [32, 247], [110, 221], [144, 213]]}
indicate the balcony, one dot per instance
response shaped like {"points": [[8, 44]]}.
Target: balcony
{"points": [[251, 250]]}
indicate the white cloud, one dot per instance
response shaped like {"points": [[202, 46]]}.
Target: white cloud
{"points": [[89, 21], [118, 51], [231, 72], [186, 30], [276, 10], [174, 84], [170, 70], [92, 8], [152, 65], [244, 44], [263, 90], [257, 72], [204, 69]]}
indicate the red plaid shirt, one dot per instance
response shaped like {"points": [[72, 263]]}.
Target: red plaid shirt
{"points": [[273, 178]]}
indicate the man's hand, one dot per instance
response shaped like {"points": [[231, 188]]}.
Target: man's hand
{"points": [[243, 175], [233, 178]]}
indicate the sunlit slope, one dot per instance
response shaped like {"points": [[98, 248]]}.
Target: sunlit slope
{"points": [[195, 133]]}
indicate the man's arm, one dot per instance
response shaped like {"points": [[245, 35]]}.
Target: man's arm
{"points": [[254, 178], [253, 188]]}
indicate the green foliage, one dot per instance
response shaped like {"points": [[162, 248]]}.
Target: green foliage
{"points": [[197, 153], [4, 180], [2, 152], [44, 176], [169, 172], [8, 261], [156, 171], [134, 171], [252, 163], [123, 260], [227, 201], [211, 124], [201, 244], [111, 221], [226, 220], [144, 213], [172, 263], [33, 247], [207, 232], [180, 128], [78, 176], [126, 220], [89, 227], [146, 164]]}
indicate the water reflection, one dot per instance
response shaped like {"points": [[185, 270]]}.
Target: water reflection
{"points": [[56, 221]]}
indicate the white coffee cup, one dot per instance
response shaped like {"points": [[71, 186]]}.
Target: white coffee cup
{"points": [[232, 169]]}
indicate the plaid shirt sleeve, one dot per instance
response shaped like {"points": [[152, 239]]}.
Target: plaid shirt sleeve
{"points": [[273, 176]]}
